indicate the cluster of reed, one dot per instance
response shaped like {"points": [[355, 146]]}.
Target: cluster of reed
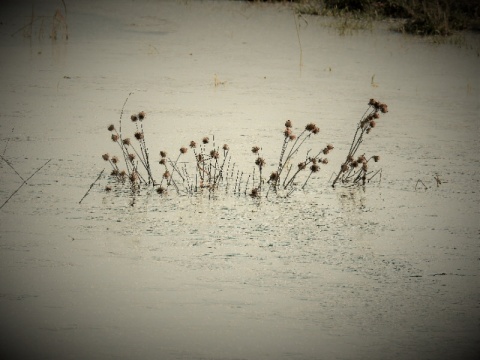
{"points": [[211, 167], [355, 169]]}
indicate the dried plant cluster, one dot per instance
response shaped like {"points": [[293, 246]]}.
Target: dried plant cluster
{"points": [[204, 166], [355, 169]]}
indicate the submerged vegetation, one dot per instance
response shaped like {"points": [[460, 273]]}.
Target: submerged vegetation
{"points": [[206, 167]]}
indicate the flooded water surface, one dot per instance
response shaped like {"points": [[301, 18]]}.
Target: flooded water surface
{"points": [[389, 271]]}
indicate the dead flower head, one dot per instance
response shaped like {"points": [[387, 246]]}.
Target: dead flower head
{"points": [[214, 154], [314, 168], [111, 128], [274, 176], [183, 150], [225, 147], [255, 149], [193, 144], [114, 137], [288, 124], [134, 118], [139, 135], [106, 157], [166, 174], [255, 193], [310, 127], [205, 140], [141, 115], [260, 162], [302, 166], [131, 157], [161, 190], [376, 158], [163, 154], [114, 159], [126, 142]]}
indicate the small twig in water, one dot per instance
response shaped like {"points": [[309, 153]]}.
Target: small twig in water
{"points": [[91, 186]]}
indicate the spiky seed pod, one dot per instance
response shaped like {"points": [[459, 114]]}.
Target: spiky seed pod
{"points": [[383, 108], [287, 132], [372, 102], [274, 176], [255, 149], [260, 162], [114, 159], [193, 144], [139, 135], [255, 193], [354, 164], [111, 128], [183, 150], [166, 174], [288, 124], [226, 147], [162, 161], [161, 190], [106, 157], [310, 127], [214, 154], [325, 161], [141, 115], [316, 130], [361, 159], [376, 158], [205, 140], [326, 151], [376, 115], [126, 142], [344, 167], [131, 157], [114, 137], [302, 166], [372, 123], [314, 168], [133, 177], [134, 118]]}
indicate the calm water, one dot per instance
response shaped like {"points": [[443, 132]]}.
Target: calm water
{"points": [[386, 272]]}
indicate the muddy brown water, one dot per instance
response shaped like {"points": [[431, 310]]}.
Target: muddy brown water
{"points": [[386, 272]]}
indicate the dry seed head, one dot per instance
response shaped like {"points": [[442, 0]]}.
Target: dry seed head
{"points": [[255, 149], [163, 154], [383, 108], [330, 147], [161, 190], [108, 188], [274, 176], [139, 135], [134, 118], [292, 137], [314, 168], [325, 161], [287, 132], [126, 142], [162, 161], [260, 162], [310, 127], [205, 140], [122, 173], [349, 158], [193, 144], [141, 115], [375, 115], [166, 174], [302, 166], [131, 157], [326, 151], [376, 158], [111, 128], [106, 157], [316, 130], [354, 164], [372, 123], [254, 192], [361, 159], [114, 159], [133, 177], [225, 147], [288, 123], [114, 137], [214, 154], [365, 166], [344, 167], [114, 172], [183, 150]]}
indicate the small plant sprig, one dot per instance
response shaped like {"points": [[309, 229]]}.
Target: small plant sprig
{"points": [[354, 170]]}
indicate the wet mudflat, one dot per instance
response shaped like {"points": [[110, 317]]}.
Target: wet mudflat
{"points": [[385, 272]]}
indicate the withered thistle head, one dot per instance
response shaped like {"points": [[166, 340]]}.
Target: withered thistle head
{"points": [[326, 151], [193, 144], [372, 102], [108, 188], [314, 168], [114, 137], [122, 173], [133, 176], [126, 142], [255, 193], [288, 124], [214, 154], [376, 158], [114, 159], [134, 118], [139, 135], [316, 130], [302, 166], [163, 154], [330, 147], [111, 128], [375, 115], [310, 127], [106, 157], [114, 172], [205, 140], [349, 158], [372, 123], [226, 147], [166, 174], [162, 161], [383, 108], [292, 137], [141, 115], [361, 159], [183, 150], [364, 166], [255, 149], [274, 176], [131, 157], [344, 167], [260, 162], [287, 132], [325, 161], [313, 160], [354, 164], [161, 190]]}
